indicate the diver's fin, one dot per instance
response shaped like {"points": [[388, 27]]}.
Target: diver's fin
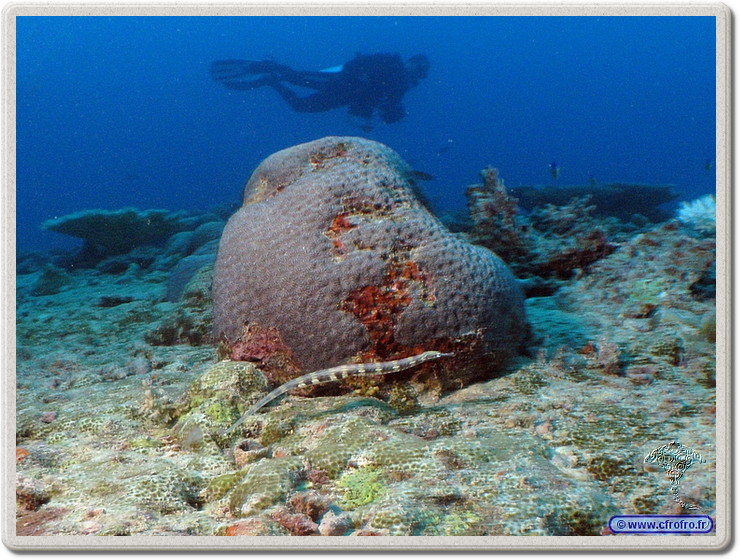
{"points": [[232, 69]]}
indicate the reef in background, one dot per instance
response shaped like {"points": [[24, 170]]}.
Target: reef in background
{"points": [[550, 235], [619, 200], [107, 234]]}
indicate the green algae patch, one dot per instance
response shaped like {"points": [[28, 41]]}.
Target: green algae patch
{"points": [[219, 413], [145, 442], [265, 483], [360, 487]]}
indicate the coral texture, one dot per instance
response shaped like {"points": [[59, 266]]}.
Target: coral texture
{"points": [[334, 255]]}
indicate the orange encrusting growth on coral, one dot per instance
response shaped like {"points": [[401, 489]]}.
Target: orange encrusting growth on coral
{"points": [[339, 225], [342, 223], [377, 307]]}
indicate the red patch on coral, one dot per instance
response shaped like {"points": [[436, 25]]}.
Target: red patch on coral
{"points": [[342, 223], [377, 307], [265, 347], [339, 225]]}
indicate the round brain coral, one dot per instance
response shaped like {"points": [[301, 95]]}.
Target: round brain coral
{"points": [[332, 259]]}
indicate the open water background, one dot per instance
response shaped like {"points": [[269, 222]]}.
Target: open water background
{"points": [[121, 111]]}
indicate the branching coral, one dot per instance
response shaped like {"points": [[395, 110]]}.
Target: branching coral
{"points": [[550, 241], [497, 222]]}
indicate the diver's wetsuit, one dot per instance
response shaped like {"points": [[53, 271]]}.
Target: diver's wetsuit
{"points": [[364, 84]]}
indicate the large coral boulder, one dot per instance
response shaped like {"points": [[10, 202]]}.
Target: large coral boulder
{"points": [[332, 259]]}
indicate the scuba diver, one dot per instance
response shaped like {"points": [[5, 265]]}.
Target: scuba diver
{"points": [[364, 84]]}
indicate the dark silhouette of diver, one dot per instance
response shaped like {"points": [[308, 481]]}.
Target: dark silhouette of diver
{"points": [[364, 84]]}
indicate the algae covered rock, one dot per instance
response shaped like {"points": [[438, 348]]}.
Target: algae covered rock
{"points": [[264, 484], [217, 399], [168, 491]]}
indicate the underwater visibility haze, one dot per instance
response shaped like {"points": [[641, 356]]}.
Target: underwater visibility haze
{"points": [[364, 276], [116, 112]]}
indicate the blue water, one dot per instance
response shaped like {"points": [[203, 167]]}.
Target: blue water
{"points": [[116, 112]]}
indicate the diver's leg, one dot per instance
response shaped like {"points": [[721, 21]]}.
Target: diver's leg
{"points": [[245, 85], [311, 104], [229, 69], [268, 67], [233, 69], [311, 80]]}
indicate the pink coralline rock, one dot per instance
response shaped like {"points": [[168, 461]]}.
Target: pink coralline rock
{"points": [[332, 259]]}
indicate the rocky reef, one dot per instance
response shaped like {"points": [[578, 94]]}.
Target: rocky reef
{"points": [[112, 232], [619, 200], [123, 398], [547, 244]]}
